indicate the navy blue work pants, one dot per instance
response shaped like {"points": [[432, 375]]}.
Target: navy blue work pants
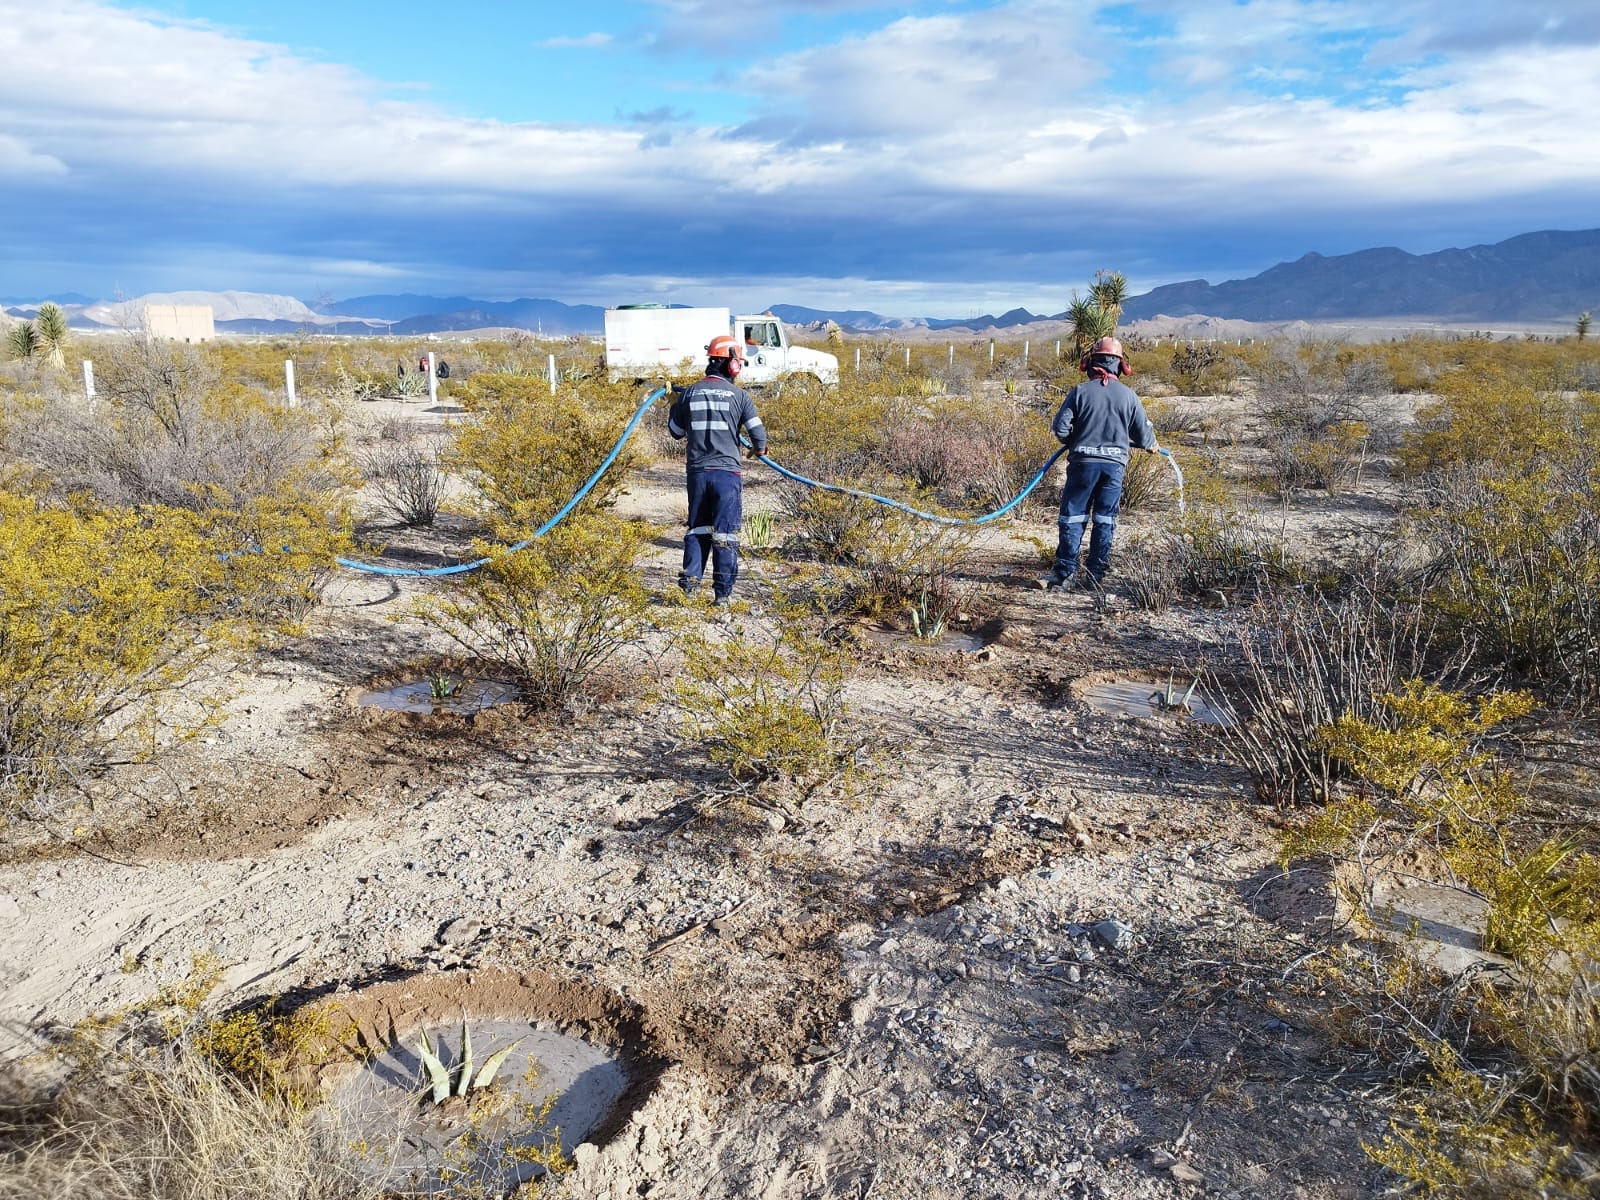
{"points": [[716, 513], [1093, 492]]}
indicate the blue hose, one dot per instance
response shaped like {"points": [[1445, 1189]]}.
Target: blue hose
{"points": [[633, 423], [917, 512], [462, 568]]}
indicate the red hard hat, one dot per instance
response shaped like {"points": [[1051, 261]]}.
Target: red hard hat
{"points": [[724, 346], [1109, 345]]}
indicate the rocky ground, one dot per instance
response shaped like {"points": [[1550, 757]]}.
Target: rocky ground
{"points": [[1039, 949]]}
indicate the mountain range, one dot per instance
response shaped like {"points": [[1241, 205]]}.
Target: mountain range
{"points": [[1547, 276]]}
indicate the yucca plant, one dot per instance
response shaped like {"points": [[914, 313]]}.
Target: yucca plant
{"points": [[1090, 323], [439, 1075], [22, 341], [50, 330]]}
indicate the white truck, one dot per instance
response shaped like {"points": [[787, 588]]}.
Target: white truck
{"points": [[644, 340]]}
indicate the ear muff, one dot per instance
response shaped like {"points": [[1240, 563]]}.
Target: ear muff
{"points": [[1083, 364]]}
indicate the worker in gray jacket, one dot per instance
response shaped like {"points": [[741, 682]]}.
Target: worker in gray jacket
{"points": [[709, 415], [1099, 422]]}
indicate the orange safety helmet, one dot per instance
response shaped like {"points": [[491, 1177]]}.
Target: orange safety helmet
{"points": [[724, 346], [1107, 345]]}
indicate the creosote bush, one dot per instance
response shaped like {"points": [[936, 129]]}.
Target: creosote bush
{"points": [[768, 705], [555, 614], [105, 614], [408, 479], [526, 452], [1513, 1089]]}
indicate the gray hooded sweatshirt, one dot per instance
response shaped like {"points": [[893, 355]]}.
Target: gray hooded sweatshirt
{"points": [[1102, 418]]}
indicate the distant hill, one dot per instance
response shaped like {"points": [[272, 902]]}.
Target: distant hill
{"points": [[32, 302], [412, 314], [1535, 276], [1547, 276]]}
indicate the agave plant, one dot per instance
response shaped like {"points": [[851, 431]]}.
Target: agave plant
{"points": [[928, 618], [442, 686], [439, 1076], [760, 530], [1171, 699]]}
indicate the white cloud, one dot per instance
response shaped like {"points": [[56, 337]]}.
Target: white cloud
{"points": [[965, 135], [588, 41], [18, 159]]}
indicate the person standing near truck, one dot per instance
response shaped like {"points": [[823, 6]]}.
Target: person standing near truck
{"points": [[1099, 422], [708, 416]]}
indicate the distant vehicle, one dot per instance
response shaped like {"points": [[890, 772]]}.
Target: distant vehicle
{"points": [[644, 340]]}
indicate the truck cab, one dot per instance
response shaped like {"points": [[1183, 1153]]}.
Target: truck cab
{"points": [[768, 353], [651, 340]]}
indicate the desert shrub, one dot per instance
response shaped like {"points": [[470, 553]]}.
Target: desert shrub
{"points": [[408, 480], [1218, 550], [526, 452], [889, 558], [1513, 1089], [967, 452], [169, 435], [832, 433], [1198, 369], [554, 614], [1324, 413], [1495, 417], [1515, 570], [105, 614], [1310, 660], [769, 705]]}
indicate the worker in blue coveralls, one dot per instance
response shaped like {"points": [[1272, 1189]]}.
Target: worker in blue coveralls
{"points": [[1099, 422], [709, 414]]}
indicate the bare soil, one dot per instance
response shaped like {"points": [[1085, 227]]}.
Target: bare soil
{"points": [[902, 990]]}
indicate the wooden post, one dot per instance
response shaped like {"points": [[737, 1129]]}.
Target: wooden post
{"points": [[908, 357], [952, 356], [551, 368], [88, 380], [433, 380], [288, 380], [858, 360], [1024, 355], [991, 352]]}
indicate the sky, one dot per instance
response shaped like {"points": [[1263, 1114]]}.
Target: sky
{"points": [[943, 159]]}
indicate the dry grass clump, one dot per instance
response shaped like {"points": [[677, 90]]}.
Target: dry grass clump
{"points": [[168, 1127]]}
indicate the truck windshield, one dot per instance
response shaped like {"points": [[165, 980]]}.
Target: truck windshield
{"points": [[764, 334]]}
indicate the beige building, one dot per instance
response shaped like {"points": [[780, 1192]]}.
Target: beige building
{"points": [[180, 322]]}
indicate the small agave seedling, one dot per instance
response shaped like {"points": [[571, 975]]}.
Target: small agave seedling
{"points": [[1171, 699], [439, 1075], [927, 623], [760, 530], [442, 685]]}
